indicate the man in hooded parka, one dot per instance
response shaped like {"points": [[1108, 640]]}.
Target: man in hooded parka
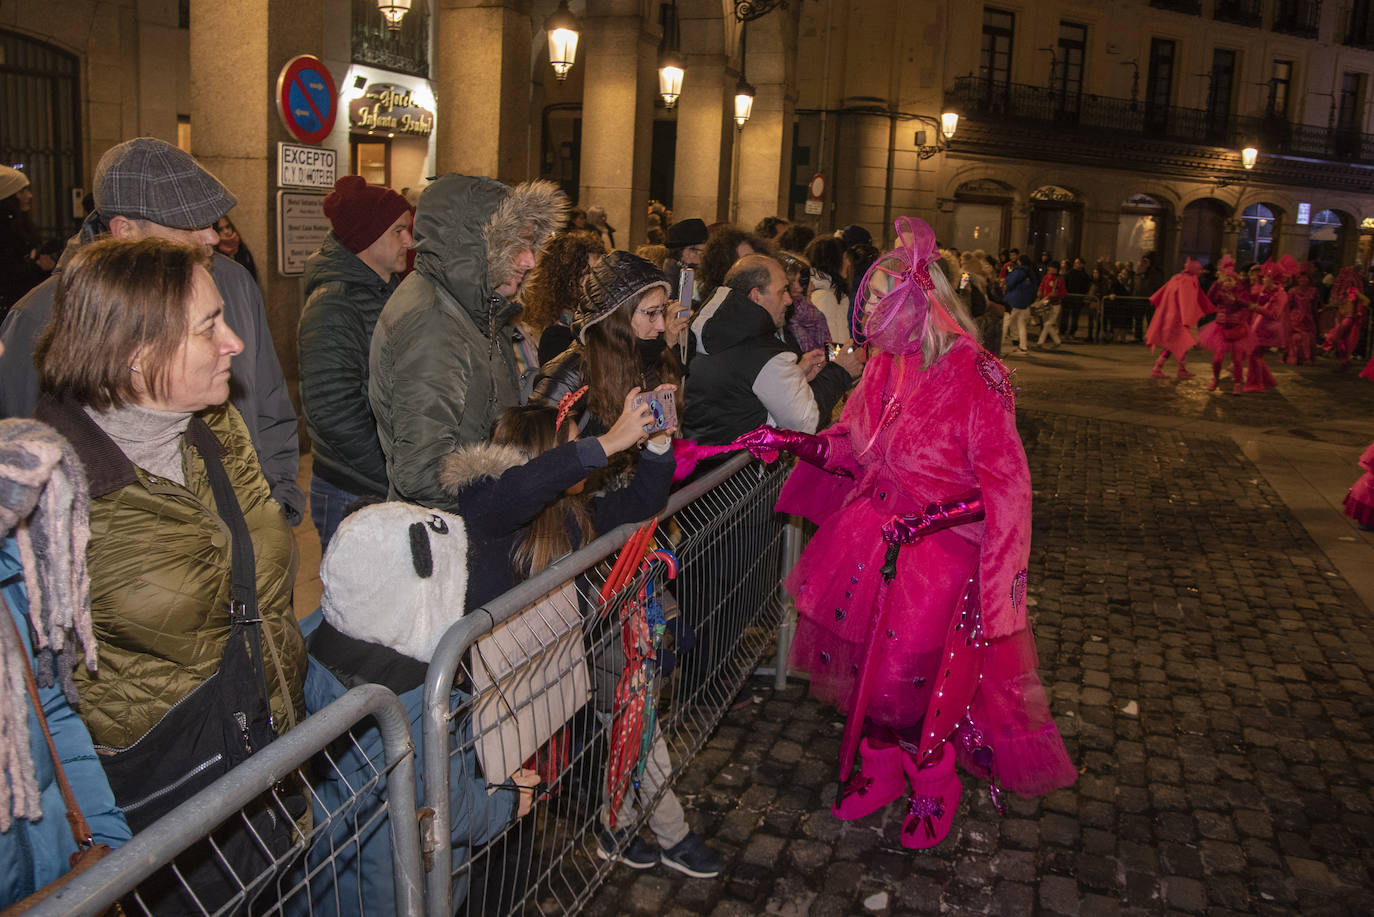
{"points": [[442, 366]]}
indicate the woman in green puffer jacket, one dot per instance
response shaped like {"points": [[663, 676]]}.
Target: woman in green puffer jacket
{"points": [[135, 360]]}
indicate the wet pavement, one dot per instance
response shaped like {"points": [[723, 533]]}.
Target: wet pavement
{"points": [[1208, 654]]}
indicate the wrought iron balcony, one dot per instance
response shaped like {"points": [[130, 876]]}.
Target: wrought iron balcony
{"points": [[1102, 125], [1179, 6], [1241, 12], [1298, 17]]}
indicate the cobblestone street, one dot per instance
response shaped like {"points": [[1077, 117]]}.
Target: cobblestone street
{"points": [[1209, 666]]}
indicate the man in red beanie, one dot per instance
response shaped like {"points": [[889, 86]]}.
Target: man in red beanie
{"points": [[347, 283]]}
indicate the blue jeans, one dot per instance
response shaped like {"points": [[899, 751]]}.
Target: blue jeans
{"points": [[327, 505]]}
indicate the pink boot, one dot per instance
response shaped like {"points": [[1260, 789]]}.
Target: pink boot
{"points": [[1157, 371], [878, 781], [935, 792]]}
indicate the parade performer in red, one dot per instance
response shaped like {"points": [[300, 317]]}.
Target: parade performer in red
{"points": [[912, 594], [1359, 500], [1230, 333], [1178, 306], [1302, 310], [1353, 308], [1270, 322]]}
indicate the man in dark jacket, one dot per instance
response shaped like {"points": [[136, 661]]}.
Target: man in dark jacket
{"points": [[1149, 277], [347, 282], [1077, 281], [747, 375], [442, 365], [149, 188]]}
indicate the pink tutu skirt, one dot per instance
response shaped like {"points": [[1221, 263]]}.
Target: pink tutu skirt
{"points": [[1216, 338]]}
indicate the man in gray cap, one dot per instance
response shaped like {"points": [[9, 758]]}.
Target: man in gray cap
{"points": [[149, 188]]}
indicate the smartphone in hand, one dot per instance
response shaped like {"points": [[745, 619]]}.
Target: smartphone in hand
{"points": [[686, 288], [663, 406]]}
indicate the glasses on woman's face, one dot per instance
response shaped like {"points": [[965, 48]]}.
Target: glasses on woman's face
{"points": [[654, 314]]}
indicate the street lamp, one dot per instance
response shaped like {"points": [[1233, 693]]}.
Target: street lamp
{"points": [[393, 11], [562, 27], [670, 73], [671, 67], [744, 102], [1248, 156], [949, 121]]}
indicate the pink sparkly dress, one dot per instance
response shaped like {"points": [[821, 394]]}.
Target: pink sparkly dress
{"points": [[1302, 327], [953, 655], [1359, 500]]}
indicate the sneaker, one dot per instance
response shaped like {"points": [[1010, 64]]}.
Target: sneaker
{"points": [[692, 857], [640, 854]]}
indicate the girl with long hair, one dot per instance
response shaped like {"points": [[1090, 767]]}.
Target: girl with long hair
{"points": [[626, 335], [912, 595]]}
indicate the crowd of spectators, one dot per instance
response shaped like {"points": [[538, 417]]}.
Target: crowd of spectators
{"points": [[478, 353]]}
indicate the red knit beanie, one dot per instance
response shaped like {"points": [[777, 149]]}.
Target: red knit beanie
{"points": [[359, 213]]}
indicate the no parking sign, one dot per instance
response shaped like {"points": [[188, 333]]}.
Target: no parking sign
{"points": [[307, 99]]}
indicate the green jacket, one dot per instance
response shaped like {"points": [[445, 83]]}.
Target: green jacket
{"points": [[442, 361], [159, 565]]}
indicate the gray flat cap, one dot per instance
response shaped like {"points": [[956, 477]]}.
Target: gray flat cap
{"points": [[149, 179]]}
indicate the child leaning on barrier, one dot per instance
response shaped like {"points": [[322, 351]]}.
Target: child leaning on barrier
{"points": [[390, 580], [522, 502]]}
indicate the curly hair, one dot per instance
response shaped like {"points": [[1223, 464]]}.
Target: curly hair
{"points": [[555, 284], [721, 252]]}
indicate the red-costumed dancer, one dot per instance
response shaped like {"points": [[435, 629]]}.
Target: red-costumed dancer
{"points": [[912, 594], [1178, 306], [1230, 333], [1302, 325], [1270, 322], [1359, 501], [1353, 308]]}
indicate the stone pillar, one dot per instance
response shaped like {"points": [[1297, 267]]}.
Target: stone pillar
{"points": [[482, 84], [765, 159], [617, 115], [1230, 231], [235, 128], [705, 139], [1099, 234]]}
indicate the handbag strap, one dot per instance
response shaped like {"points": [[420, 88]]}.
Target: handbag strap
{"points": [[243, 592], [81, 832]]}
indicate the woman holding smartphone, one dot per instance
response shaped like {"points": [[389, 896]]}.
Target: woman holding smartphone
{"points": [[625, 331]]}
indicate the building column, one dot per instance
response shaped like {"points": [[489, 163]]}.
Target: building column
{"points": [[482, 84], [1099, 235], [235, 129], [705, 139], [617, 116]]}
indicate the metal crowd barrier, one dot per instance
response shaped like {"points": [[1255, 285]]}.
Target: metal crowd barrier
{"points": [[299, 880], [529, 680]]}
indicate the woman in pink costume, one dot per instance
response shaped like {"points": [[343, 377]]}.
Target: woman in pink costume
{"points": [[1302, 326], [1230, 333], [1178, 305], [1359, 501], [1270, 322], [912, 594], [1353, 307]]}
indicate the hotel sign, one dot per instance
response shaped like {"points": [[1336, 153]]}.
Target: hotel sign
{"points": [[385, 108]]}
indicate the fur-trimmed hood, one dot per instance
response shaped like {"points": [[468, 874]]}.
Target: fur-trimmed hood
{"points": [[469, 231], [472, 463]]}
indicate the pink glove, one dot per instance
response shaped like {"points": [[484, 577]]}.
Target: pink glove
{"points": [[686, 454], [940, 515], [766, 442]]}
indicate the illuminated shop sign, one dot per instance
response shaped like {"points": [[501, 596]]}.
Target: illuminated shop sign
{"points": [[385, 108]]}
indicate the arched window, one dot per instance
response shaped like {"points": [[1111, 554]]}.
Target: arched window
{"points": [[1255, 241], [1327, 240]]}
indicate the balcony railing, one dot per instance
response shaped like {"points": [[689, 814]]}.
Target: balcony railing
{"points": [[1089, 117], [1298, 17], [1179, 6], [1241, 12]]}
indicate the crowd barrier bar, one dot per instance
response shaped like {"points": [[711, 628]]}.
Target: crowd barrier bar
{"points": [[725, 536], [96, 890]]}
